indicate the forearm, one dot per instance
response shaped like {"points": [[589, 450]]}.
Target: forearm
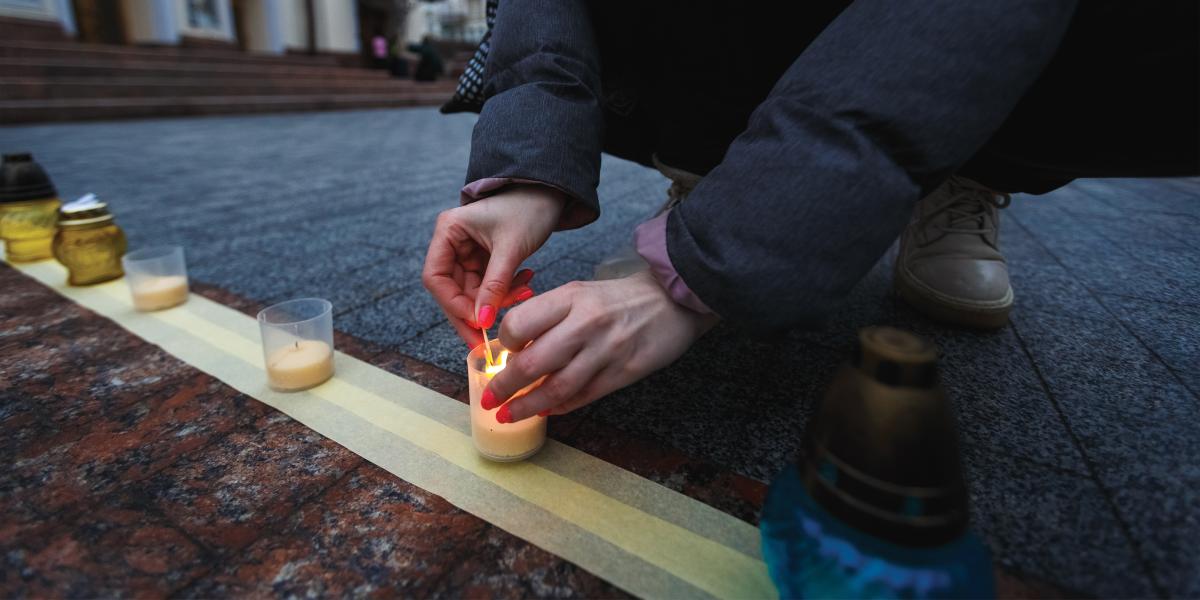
{"points": [[542, 119]]}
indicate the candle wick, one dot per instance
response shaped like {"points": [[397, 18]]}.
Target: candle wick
{"points": [[297, 344]]}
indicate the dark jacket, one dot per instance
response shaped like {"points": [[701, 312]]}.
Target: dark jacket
{"points": [[815, 179]]}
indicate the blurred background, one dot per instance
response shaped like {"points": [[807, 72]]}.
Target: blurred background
{"points": [[68, 60]]}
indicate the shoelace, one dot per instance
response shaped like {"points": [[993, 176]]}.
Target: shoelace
{"points": [[971, 205]]}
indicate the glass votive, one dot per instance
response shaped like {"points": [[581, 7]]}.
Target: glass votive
{"points": [[157, 277], [504, 442], [297, 339]]}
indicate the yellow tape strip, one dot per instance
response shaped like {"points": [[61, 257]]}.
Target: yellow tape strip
{"points": [[638, 535]]}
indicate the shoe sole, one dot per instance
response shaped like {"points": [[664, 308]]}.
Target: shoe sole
{"points": [[940, 307]]}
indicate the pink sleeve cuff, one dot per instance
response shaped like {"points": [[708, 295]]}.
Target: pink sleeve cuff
{"points": [[574, 214], [651, 241]]}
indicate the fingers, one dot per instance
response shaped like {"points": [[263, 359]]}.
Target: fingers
{"points": [[495, 285], [561, 386], [439, 276], [551, 352], [603, 384], [519, 291], [537, 316]]}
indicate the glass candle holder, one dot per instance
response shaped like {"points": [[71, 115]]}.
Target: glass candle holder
{"points": [[297, 339], [157, 277], [503, 442]]}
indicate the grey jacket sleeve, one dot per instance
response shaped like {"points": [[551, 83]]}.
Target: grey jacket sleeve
{"points": [[885, 103], [542, 119]]}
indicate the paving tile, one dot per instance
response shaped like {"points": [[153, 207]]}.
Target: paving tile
{"points": [[241, 486], [399, 316], [370, 282], [129, 444], [114, 548], [442, 381], [756, 390], [1049, 287], [1053, 526], [64, 368], [1136, 425], [377, 535], [715, 486], [1171, 331]]}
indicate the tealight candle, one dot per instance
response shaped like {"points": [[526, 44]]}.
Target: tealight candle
{"points": [[300, 366], [158, 293], [297, 338], [157, 277], [504, 442]]}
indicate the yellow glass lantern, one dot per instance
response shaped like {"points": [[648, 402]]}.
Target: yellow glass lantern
{"points": [[28, 209], [89, 243]]}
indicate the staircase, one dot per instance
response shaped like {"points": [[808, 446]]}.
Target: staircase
{"points": [[44, 81]]}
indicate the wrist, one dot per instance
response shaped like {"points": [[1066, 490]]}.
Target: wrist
{"points": [[700, 322]]}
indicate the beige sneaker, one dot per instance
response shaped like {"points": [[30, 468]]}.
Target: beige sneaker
{"points": [[950, 267]]}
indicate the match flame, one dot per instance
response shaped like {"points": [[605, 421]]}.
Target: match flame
{"points": [[498, 366]]}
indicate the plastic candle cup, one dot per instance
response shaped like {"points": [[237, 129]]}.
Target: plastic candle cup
{"points": [[503, 442], [297, 338], [157, 277]]}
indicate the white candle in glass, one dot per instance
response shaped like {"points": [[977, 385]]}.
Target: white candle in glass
{"points": [[297, 338], [504, 442]]}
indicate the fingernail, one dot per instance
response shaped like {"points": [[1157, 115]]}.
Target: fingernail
{"points": [[488, 399], [544, 413], [504, 415], [487, 316], [525, 295]]}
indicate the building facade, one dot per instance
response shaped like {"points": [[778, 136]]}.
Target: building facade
{"points": [[342, 27]]}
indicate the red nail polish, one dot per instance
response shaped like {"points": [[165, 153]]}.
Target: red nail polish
{"points": [[525, 295], [504, 415], [544, 413], [487, 316], [488, 399]]}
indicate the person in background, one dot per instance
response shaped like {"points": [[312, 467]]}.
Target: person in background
{"points": [[802, 140], [379, 51], [429, 65]]}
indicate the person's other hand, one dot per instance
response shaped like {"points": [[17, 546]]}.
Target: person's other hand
{"points": [[469, 268], [589, 339]]}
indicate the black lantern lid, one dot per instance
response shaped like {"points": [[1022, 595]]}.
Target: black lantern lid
{"points": [[882, 451], [23, 179]]}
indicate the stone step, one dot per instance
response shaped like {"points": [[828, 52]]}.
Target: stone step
{"points": [[42, 88], [136, 67], [78, 109], [170, 54]]}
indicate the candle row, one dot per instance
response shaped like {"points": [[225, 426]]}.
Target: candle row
{"points": [[297, 335]]}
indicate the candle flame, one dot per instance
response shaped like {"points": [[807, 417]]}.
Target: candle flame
{"points": [[498, 366]]}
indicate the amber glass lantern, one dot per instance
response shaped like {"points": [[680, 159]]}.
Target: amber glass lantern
{"points": [[28, 209], [89, 243]]}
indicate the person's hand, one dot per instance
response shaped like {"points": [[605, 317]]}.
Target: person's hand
{"points": [[589, 339], [475, 249]]}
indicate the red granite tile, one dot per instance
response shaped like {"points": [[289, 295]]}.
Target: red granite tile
{"points": [[230, 493], [223, 296], [112, 548], [129, 444], [360, 349], [434, 378], [715, 486], [376, 535]]}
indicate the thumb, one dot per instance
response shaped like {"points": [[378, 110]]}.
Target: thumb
{"points": [[494, 287]]}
